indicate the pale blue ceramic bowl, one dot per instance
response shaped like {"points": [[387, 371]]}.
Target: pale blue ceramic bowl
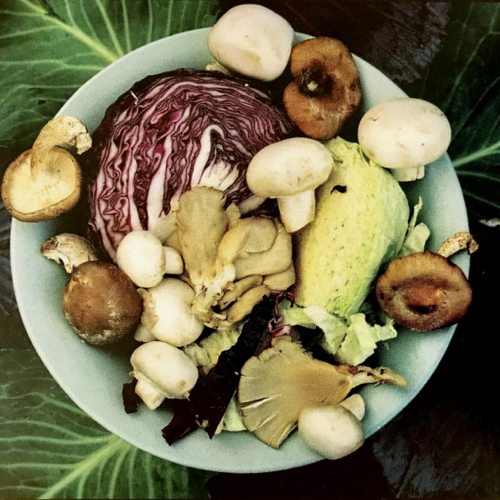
{"points": [[93, 378]]}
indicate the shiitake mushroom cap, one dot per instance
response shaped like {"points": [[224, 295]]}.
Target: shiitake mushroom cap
{"points": [[424, 291], [326, 90], [101, 303]]}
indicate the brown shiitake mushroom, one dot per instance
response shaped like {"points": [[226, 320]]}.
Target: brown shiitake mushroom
{"points": [[326, 90], [424, 291], [101, 303], [45, 181]]}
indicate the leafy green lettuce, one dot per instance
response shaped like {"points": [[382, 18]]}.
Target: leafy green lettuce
{"points": [[416, 235], [351, 340]]}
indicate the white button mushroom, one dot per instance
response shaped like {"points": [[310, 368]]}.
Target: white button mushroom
{"points": [[252, 40], [162, 371], [290, 170], [404, 134], [167, 312], [332, 431], [145, 260]]}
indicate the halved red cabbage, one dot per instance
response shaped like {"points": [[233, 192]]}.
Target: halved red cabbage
{"points": [[169, 133]]}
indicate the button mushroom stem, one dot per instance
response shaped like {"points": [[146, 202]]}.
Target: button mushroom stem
{"points": [[462, 240], [356, 405], [297, 210], [408, 174], [290, 170]]}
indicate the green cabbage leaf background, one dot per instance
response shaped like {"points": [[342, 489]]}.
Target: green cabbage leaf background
{"points": [[48, 49]]}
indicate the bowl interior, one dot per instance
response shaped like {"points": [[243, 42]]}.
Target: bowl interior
{"points": [[93, 378]]}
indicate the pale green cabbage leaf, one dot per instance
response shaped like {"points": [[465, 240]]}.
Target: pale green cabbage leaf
{"points": [[351, 341]]}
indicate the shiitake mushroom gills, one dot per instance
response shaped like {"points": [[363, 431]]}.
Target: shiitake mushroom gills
{"points": [[326, 90], [424, 291]]}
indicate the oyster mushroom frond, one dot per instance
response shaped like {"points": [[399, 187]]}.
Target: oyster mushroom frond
{"points": [[283, 380], [220, 250]]}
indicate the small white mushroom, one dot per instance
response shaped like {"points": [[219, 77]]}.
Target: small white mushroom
{"points": [[252, 40], [68, 249], [404, 134], [162, 371], [333, 431], [167, 312], [290, 170], [141, 256], [145, 260]]}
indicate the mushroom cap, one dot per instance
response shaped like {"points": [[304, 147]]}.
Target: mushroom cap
{"points": [[47, 195], [404, 133], [424, 291], [101, 303], [166, 367], [141, 256], [333, 431], [289, 167], [252, 40], [326, 90], [168, 315]]}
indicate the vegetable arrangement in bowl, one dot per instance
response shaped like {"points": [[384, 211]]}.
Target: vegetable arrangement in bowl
{"points": [[257, 256]]}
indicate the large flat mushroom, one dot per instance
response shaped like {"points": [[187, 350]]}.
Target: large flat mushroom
{"points": [[326, 89], [424, 291], [45, 181]]}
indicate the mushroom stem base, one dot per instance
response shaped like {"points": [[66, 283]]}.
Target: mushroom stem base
{"points": [[297, 210], [408, 174]]}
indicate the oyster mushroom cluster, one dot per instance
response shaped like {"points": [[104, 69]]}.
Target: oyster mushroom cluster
{"points": [[230, 262]]}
